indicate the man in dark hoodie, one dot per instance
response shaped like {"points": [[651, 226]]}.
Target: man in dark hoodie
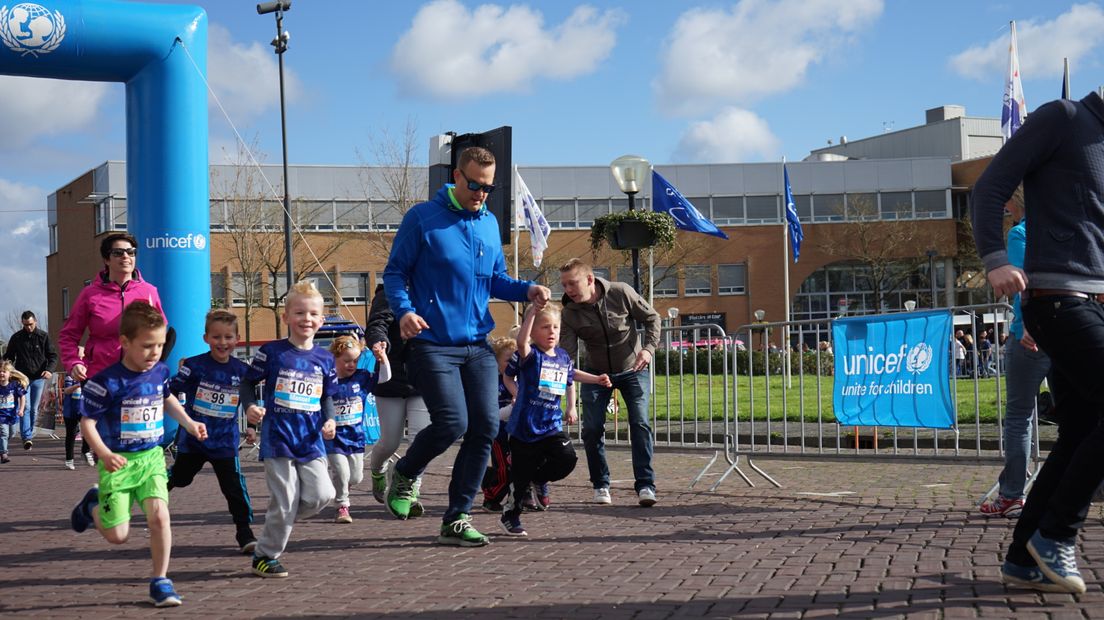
{"points": [[446, 263], [604, 315], [1058, 155], [31, 353]]}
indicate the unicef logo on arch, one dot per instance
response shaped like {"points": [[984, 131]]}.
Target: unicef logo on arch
{"points": [[30, 29], [190, 241]]}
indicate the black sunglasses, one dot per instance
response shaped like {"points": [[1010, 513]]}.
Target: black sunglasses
{"points": [[476, 187], [120, 252]]}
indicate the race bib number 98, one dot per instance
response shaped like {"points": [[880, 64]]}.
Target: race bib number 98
{"points": [[215, 403]]}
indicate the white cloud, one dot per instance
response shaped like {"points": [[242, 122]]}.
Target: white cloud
{"points": [[23, 236], [1042, 45], [733, 135], [245, 77], [757, 48], [451, 52], [33, 107]]}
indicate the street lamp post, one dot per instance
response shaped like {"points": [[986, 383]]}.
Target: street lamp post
{"points": [[280, 43], [631, 172], [759, 314], [364, 280], [931, 275]]}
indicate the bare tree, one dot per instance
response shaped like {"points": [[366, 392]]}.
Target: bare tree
{"points": [[392, 173], [13, 322], [886, 250]]}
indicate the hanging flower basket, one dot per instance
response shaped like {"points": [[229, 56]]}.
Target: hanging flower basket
{"points": [[633, 230]]}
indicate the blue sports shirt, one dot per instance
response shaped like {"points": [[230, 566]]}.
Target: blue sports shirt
{"points": [[355, 429], [128, 406], [542, 383], [296, 383], [210, 393], [9, 401]]}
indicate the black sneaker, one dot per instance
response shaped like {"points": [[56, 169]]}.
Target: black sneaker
{"points": [[4, 458], [27, 445], [493, 506], [247, 542], [268, 567], [81, 517], [511, 523]]}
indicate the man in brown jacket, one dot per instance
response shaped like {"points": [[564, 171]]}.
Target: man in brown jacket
{"points": [[603, 315]]}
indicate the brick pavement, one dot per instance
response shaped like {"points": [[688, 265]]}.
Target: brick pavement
{"points": [[894, 539]]}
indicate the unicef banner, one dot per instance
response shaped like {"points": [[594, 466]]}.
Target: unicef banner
{"points": [[894, 370]]}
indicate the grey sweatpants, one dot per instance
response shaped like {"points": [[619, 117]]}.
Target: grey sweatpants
{"points": [[296, 490], [394, 413], [347, 470]]}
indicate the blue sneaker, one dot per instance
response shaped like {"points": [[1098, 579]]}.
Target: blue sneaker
{"points": [[1058, 561], [1027, 577], [162, 593], [81, 517]]}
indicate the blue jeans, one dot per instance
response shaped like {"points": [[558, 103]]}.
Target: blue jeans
{"points": [[5, 431], [459, 385], [635, 388], [34, 395], [1026, 370], [1071, 332]]}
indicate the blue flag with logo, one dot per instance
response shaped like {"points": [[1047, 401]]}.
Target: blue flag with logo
{"points": [[893, 370], [667, 199], [796, 234]]}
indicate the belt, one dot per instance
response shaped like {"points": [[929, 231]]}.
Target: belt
{"points": [[1033, 293]]}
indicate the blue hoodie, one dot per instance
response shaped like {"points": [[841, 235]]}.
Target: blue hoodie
{"points": [[446, 263]]}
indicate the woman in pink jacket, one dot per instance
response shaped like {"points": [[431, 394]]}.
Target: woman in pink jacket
{"points": [[99, 306]]}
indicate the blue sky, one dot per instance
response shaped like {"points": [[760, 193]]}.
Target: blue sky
{"points": [[581, 83]]}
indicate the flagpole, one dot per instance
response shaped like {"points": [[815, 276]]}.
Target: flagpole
{"points": [[517, 239], [1066, 93], [786, 296]]}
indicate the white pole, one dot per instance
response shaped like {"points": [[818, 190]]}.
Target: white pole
{"points": [[786, 294], [517, 238]]}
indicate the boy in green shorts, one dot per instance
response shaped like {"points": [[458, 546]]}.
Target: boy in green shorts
{"points": [[123, 421]]}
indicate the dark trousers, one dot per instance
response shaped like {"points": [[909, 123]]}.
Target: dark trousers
{"points": [[1071, 331], [548, 460], [230, 480], [496, 480], [72, 425]]}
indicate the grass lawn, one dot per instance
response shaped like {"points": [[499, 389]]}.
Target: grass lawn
{"points": [[701, 397]]}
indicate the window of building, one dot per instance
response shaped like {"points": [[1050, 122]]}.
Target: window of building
{"points": [[559, 213], [272, 214], [354, 286], [325, 285], [762, 209], [386, 216], [591, 209], [618, 205], [243, 288], [828, 208], [732, 279], [804, 205], [698, 280], [277, 287], [352, 215], [314, 215], [862, 207], [728, 210], [931, 204], [111, 214], [896, 205], [65, 302], [601, 272], [666, 283], [702, 204], [53, 238], [218, 214], [218, 289]]}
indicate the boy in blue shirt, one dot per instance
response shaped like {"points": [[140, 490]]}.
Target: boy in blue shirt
{"points": [[123, 409], [540, 451], [299, 384], [210, 384]]}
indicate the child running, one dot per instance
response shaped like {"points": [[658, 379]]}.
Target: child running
{"points": [[496, 481], [123, 410], [540, 451], [13, 391], [299, 385], [70, 412], [345, 451], [209, 385]]}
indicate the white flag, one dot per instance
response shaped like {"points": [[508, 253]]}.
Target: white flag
{"points": [[530, 214], [1014, 110]]}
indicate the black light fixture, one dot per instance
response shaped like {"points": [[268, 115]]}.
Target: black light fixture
{"points": [[631, 173]]}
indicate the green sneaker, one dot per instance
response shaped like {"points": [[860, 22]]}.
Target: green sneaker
{"points": [[416, 508], [400, 494], [379, 486], [461, 533]]}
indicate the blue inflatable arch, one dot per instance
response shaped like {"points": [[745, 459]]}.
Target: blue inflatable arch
{"points": [[139, 45]]}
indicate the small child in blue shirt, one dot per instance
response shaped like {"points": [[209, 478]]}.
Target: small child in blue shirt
{"points": [[299, 385], [70, 412], [13, 391], [540, 450], [496, 480], [122, 411], [345, 451], [209, 385]]}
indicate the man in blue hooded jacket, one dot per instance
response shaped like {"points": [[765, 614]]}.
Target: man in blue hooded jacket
{"points": [[445, 265]]}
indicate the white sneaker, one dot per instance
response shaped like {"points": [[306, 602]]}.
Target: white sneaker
{"points": [[69, 464], [647, 497], [88, 458], [602, 496]]}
